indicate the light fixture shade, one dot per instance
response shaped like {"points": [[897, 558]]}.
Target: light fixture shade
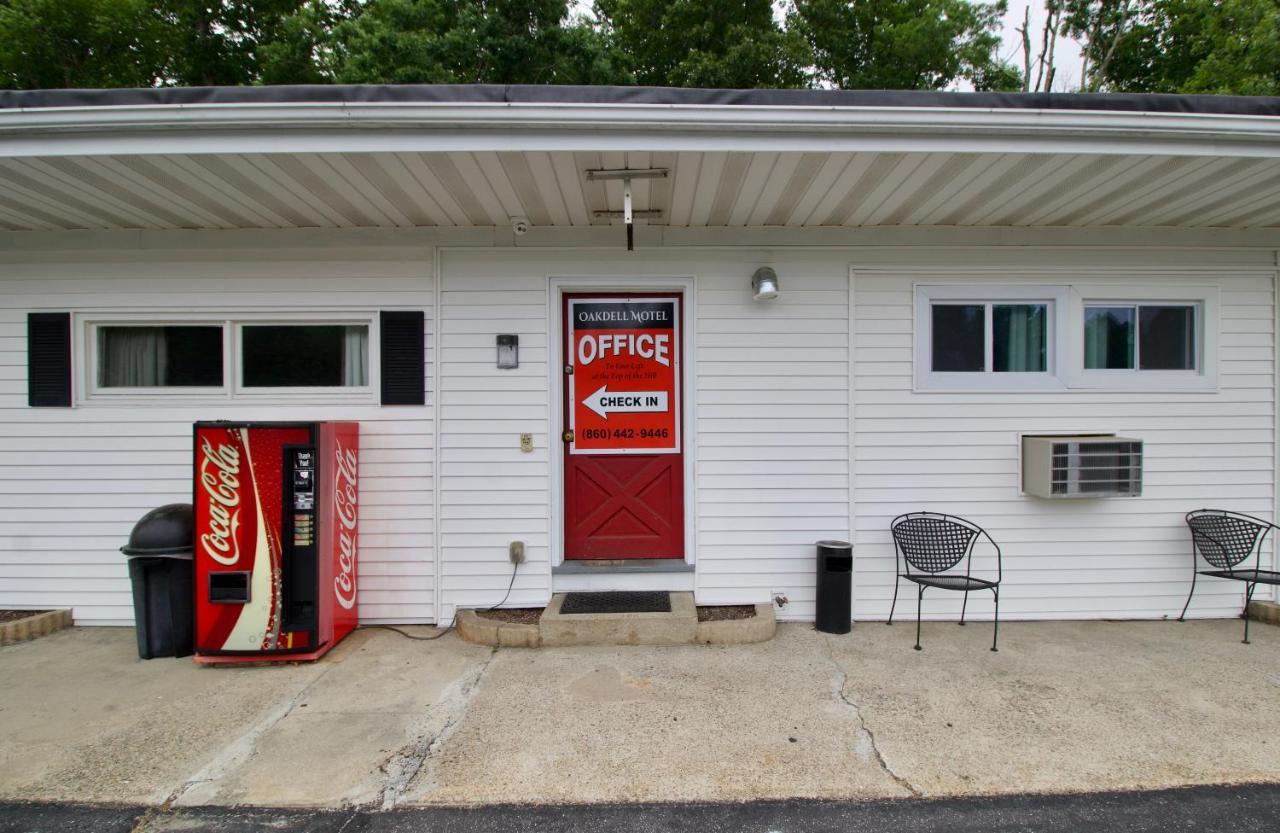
{"points": [[508, 352], [764, 284]]}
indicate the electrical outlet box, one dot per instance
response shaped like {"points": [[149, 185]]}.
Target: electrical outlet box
{"points": [[526, 443], [515, 551]]}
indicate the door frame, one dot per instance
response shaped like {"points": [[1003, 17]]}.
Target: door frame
{"points": [[558, 286]]}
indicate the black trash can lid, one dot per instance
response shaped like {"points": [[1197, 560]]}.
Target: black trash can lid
{"points": [[168, 530], [835, 545]]}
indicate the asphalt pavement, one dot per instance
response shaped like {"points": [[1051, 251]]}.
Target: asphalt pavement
{"points": [[1238, 809]]}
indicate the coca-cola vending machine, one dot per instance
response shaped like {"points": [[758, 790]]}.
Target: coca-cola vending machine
{"points": [[275, 549]]}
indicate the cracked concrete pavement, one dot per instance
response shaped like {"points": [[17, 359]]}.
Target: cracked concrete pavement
{"points": [[385, 722]]}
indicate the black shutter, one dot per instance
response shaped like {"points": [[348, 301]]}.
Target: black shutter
{"points": [[403, 357], [49, 359]]}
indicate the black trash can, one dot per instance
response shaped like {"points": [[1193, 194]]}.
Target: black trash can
{"points": [[159, 550], [835, 587]]}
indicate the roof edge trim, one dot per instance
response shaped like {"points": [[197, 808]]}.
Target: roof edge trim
{"points": [[654, 96]]}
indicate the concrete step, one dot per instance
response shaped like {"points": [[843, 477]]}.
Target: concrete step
{"points": [[679, 627]]}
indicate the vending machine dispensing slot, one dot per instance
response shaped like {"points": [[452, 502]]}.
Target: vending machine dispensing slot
{"points": [[229, 588]]}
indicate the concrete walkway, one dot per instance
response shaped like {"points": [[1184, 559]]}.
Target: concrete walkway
{"points": [[386, 722]]}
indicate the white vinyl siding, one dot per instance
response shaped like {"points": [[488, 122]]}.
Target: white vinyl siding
{"points": [[74, 480], [958, 452], [770, 436], [492, 493], [773, 430], [772, 439]]}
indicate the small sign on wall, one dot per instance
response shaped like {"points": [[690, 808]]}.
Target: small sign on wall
{"points": [[624, 392]]}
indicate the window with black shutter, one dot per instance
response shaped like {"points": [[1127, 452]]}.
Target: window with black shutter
{"points": [[49, 359], [403, 357]]}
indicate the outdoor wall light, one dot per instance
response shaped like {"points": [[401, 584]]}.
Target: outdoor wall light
{"points": [[764, 284], [508, 352]]}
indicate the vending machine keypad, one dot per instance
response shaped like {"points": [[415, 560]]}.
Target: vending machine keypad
{"points": [[304, 497], [302, 573]]}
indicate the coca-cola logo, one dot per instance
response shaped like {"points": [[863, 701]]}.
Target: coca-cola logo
{"points": [[220, 477], [345, 480]]}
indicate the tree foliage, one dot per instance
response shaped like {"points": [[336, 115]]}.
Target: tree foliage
{"points": [[703, 43], [79, 43], [904, 44], [1199, 46], [1101, 27], [1194, 46], [218, 42], [1162, 46], [470, 41]]}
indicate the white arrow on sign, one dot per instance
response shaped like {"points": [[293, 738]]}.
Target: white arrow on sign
{"points": [[627, 402]]}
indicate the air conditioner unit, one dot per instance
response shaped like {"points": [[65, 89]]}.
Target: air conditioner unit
{"points": [[1082, 466]]}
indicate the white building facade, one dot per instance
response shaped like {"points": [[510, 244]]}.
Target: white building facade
{"points": [[955, 272]]}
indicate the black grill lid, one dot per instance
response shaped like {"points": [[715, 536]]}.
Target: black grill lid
{"points": [[169, 530]]}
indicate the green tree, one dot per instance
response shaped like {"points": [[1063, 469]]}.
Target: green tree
{"points": [[80, 43], [471, 41], [1194, 46], [704, 43], [218, 42], [1101, 28], [301, 48], [904, 44]]}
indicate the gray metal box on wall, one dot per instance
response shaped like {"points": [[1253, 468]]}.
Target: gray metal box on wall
{"points": [[1081, 466]]}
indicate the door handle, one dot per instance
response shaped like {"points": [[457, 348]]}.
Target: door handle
{"points": [[567, 436]]}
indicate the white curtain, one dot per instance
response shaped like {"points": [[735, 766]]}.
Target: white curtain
{"points": [[355, 356], [1024, 336], [131, 357]]}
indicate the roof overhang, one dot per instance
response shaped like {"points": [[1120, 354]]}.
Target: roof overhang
{"points": [[478, 156]]}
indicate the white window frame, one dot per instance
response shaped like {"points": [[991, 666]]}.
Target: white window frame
{"points": [[1203, 298], [927, 379], [91, 390], [88, 390], [344, 393]]}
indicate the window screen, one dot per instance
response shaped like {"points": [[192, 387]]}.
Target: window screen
{"points": [[1019, 338], [959, 338], [160, 357], [1167, 338], [1141, 336], [305, 355]]}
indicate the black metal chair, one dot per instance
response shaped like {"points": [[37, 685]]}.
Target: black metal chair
{"points": [[1226, 540], [930, 544]]}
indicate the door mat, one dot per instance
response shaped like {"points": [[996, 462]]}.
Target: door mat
{"points": [[617, 602]]}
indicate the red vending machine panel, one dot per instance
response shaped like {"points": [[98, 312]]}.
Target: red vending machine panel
{"points": [[276, 529]]}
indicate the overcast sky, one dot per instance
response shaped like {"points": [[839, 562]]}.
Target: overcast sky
{"points": [[1066, 56]]}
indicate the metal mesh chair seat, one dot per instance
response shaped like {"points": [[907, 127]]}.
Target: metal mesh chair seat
{"points": [[1226, 540], [929, 545], [964, 583], [1258, 576]]}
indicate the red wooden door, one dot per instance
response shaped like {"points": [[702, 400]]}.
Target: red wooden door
{"points": [[624, 452]]}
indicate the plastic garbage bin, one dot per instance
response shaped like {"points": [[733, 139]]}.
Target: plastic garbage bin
{"points": [[159, 551], [835, 587]]}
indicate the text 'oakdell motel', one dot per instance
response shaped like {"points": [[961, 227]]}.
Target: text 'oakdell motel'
{"points": [[664, 339]]}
